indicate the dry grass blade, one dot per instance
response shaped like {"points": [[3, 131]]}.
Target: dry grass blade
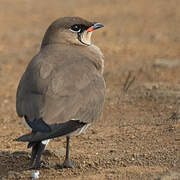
{"points": [[129, 81]]}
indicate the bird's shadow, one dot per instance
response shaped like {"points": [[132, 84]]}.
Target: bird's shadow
{"points": [[15, 161]]}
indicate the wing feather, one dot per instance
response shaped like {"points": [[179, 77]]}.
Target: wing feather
{"points": [[72, 89]]}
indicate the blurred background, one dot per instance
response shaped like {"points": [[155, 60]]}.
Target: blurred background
{"points": [[138, 133]]}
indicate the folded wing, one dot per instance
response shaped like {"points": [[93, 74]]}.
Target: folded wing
{"points": [[58, 94]]}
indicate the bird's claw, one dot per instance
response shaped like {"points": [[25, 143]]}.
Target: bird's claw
{"points": [[66, 164]]}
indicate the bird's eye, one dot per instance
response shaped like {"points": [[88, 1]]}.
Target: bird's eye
{"points": [[75, 28]]}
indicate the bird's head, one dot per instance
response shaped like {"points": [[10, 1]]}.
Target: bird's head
{"points": [[70, 30]]}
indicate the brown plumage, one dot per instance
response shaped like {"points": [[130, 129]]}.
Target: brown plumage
{"points": [[62, 89]]}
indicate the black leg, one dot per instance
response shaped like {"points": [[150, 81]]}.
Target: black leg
{"points": [[33, 154], [41, 148], [67, 163], [67, 148]]}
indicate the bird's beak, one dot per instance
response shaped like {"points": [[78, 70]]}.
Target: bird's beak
{"points": [[95, 25]]}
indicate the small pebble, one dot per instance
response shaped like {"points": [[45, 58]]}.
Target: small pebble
{"points": [[35, 175]]}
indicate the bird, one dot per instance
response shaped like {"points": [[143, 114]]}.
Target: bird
{"points": [[62, 90]]}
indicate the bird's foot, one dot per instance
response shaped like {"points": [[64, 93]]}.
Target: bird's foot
{"points": [[42, 164], [66, 164], [34, 167], [45, 165]]}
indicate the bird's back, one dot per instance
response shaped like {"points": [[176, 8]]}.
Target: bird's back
{"points": [[60, 84]]}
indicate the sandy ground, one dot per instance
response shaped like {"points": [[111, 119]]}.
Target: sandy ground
{"points": [[138, 134]]}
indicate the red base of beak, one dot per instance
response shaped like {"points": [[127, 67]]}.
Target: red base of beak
{"points": [[90, 29]]}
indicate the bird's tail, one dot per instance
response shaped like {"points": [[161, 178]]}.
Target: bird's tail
{"points": [[24, 138], [57, 130]]}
